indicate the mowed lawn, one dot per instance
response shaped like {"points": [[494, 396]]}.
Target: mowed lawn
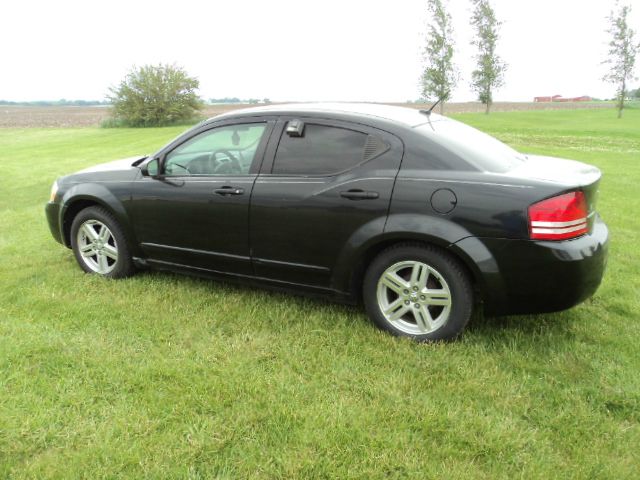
{"points": [[164, 376]]}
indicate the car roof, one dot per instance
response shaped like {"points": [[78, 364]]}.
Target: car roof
{"points": [[409, 117]]}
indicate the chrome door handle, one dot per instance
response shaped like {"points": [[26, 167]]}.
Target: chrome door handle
{"points": [[356, 194], [228, 190]]}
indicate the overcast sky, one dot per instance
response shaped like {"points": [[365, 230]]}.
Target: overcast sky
{"points": [[325, 50]]}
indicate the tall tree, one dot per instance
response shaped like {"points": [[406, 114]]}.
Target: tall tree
{"points": [[489, 72], [440, 76], [622, 53]]}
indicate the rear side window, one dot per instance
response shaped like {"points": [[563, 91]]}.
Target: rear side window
{"points": [[482, 151], [321, 150]]}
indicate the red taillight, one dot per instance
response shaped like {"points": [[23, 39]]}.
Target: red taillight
{"points": [[559, 218]]}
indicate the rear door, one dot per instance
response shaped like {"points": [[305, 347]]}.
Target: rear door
{"points": [[316, 192]]}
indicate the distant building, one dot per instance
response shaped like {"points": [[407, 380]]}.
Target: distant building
{"points": [[560, 98]]}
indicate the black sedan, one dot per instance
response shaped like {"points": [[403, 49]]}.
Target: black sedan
{"points": [[419, 216]]}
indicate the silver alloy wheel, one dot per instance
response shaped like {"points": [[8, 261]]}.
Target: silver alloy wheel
{"points": [[97, 246], [414, 297]]}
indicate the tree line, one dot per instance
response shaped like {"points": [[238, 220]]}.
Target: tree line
{"points": [[55, 103], [441, 75], [232, 100]]}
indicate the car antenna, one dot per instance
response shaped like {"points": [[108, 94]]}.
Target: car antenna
{"points": [[428, 112]]}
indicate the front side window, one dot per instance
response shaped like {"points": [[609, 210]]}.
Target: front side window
{"points": [[321, 150], [228, 150]]}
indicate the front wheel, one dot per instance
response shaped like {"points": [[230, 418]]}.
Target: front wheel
{"points": [[99, 244], [420, 292]]}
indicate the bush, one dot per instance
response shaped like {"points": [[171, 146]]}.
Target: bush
{"points": [[151, 96]]}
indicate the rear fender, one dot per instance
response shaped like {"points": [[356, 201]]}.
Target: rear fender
{"points": [[375, 236]]}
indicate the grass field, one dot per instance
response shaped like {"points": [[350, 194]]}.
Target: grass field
{"points": [[161, 376]]}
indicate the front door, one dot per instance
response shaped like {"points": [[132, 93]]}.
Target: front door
{"points": [[196, 212]]}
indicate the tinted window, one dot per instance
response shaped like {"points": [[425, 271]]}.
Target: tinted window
{"points": [[228, 150], [321, 150]]}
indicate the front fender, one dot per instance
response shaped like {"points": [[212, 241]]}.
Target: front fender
{"points": [[100, 194]]}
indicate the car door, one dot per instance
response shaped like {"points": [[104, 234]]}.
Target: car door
{"points": [[195, 212], [320, 187]]}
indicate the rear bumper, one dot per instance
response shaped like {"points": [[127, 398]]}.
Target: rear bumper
{"points": [[52, 211], [524, 276]]}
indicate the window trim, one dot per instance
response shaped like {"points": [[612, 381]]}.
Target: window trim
{"points": [[280, 130], [254, 169]]}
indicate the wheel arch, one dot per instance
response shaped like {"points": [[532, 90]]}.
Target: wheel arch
{"points": [[78, 198], [373, 248], [72, 209]]}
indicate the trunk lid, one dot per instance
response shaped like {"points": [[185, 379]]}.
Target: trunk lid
{"points": [[556, 170]]}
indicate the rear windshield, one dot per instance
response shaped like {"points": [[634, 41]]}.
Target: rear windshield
{"points": [[475, 147]]}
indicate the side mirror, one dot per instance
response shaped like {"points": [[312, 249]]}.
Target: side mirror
{"points": [[151, 168]]}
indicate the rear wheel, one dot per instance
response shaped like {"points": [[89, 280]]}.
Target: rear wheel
{"points": [[419, 292], [99, 244]]}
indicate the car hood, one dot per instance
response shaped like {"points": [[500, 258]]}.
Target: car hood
{"points": [[115, 165]]}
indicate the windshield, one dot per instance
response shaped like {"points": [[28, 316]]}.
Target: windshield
{"points": [[475, 147]]}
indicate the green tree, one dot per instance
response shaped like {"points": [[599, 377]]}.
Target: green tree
{"points": [[622, 53], [489, 73], [440, 76], [154, 95]]}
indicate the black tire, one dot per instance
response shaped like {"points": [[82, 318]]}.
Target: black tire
{"points": [[446, 268], [123, 265]]}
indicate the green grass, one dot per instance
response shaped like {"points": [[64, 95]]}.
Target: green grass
{"points": [[163, 376]]}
